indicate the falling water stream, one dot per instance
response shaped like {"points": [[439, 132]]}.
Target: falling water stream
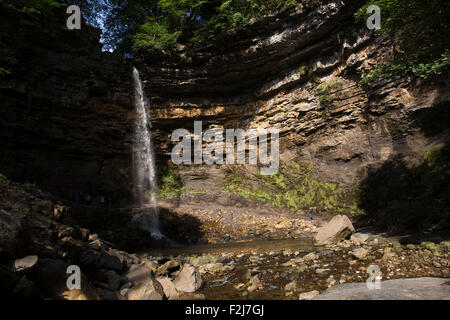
{"points": [[144, 173]]}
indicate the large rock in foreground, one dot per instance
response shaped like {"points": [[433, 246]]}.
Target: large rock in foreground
{"points": [[335, 230], [189, 279], [144, 286], [398, 289], [146, 290]]}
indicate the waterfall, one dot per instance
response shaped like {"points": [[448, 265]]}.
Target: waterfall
{"points": [[144, 174]]}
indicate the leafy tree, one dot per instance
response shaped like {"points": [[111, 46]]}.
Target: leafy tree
{"points": [[420, 28]]}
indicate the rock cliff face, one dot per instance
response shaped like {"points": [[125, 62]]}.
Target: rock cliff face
{"points": [[68, 122], [65, 106], [299, 71]]}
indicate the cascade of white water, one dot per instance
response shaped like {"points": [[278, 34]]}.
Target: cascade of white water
{"points": [[144, 175]]}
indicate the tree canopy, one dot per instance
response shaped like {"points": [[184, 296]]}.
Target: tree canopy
{"points": [[419, 27]]}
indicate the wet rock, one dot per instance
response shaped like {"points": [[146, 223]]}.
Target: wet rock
{"points": [[360, 253], [168, 287], [188, 280], [335, 230], [308, 295], [25, 264]]}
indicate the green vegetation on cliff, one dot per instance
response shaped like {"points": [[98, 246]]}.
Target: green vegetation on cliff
{"points": [[136, 25], [293, 187], [419, 28]]}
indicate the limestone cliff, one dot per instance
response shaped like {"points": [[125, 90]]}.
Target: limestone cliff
{"points": [[299, 71], [67, 121], [65, 106]]}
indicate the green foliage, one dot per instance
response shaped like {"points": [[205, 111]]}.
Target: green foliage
{"points": [[154, 35], [31, 7], [419, 29], [326, 90], [4, 72], [169, 182], [136, 25], [293, 188]]}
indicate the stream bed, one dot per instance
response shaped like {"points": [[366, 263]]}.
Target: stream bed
{"points": [[283, 269]]}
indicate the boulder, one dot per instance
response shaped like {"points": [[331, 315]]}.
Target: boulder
{"points": [[169, 288], [149, 289], [12, 240], [112, 259], [140, 284], [25, 264], [398, 289], [335, 230], [188, 280]]}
